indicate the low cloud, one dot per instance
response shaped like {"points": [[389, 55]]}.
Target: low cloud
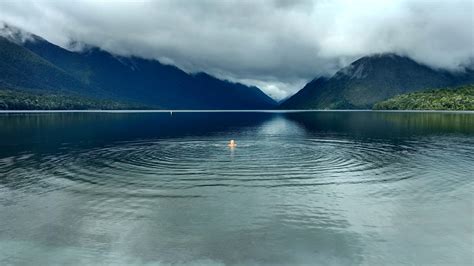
{"points": [[277, 45]]}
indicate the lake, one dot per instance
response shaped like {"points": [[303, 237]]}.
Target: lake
{"points": [[329, 188]]}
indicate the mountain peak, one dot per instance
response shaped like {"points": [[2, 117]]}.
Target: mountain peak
{"points": [[363, 67], [15, 34], [371, 79]]}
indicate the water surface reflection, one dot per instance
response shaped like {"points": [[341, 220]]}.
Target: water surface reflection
{"points": [[300, 188]]}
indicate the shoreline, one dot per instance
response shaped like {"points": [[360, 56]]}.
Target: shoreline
{"points": [[234, 111]]}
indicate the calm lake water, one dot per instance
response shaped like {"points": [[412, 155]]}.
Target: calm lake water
{"points": [[348, 188]]}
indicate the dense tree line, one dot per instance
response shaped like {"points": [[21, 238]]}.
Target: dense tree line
{"points": [[23, 100], [460, 98]]}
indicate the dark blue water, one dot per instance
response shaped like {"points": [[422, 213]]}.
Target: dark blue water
{"points": [[331, 188]]}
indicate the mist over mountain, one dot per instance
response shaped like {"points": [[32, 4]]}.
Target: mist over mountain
{"points": [[276, 45], [371, 79], [31, 62]]}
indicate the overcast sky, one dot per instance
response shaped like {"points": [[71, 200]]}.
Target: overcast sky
{"points": [[277, 45]]}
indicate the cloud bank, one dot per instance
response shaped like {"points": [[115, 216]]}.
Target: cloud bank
{"points": [[277, 45]]}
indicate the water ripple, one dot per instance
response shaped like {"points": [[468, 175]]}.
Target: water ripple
{"points": [[188, 164]]}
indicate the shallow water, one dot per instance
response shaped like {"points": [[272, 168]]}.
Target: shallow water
{"points": [[366, 188]]}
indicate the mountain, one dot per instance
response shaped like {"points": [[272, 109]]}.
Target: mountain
{"points": [[21, 68], [371, 79], [460, 98], [34, 63]]}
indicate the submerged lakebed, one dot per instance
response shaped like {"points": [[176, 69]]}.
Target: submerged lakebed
{"points": [[367, 188]]}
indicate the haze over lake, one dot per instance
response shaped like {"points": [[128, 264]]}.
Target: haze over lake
{"points": [[368, 188]]}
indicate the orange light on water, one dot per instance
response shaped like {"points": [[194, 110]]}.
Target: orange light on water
{"points": [[232, 143]]}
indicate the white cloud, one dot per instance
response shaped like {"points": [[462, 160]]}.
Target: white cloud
{"points": [[277, 45]]}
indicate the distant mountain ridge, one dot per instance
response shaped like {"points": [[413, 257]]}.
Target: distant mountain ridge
{"points": [[372, 79], [31, 62]]}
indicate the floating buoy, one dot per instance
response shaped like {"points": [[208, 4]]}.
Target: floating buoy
{"points": [[232, 144]]}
